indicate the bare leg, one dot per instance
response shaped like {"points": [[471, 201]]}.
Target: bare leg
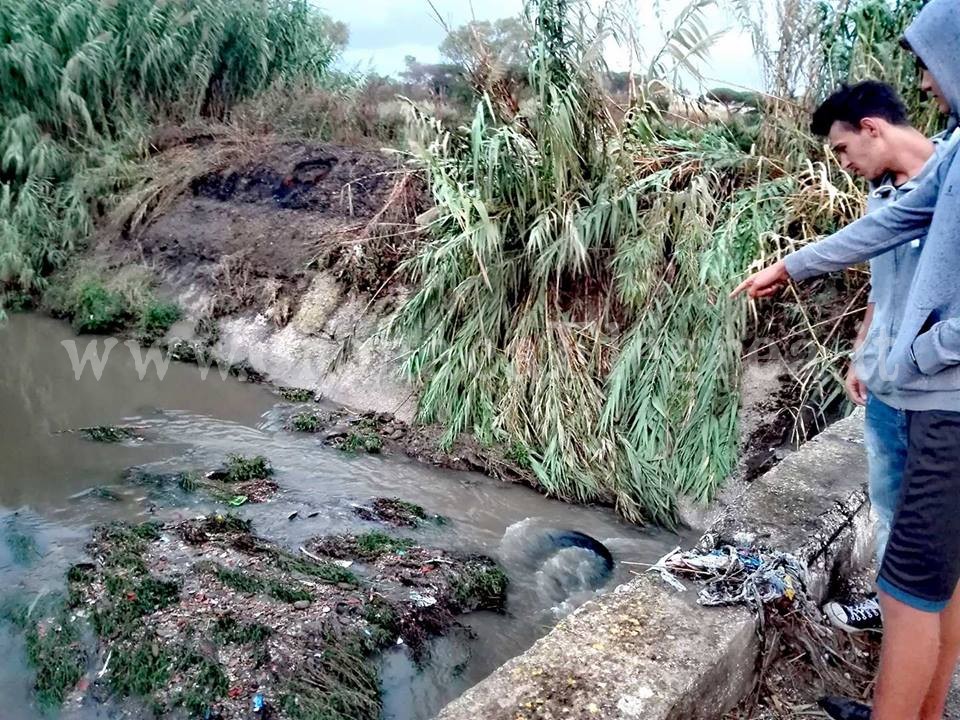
{"points": [[908, 660], [935, 702]]}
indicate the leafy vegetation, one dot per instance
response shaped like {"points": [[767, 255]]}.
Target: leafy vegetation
{"points": [[189, 481], [157, 318], [297, 395], [249, 584], [242, 469], [363, 437], [337, 682], [96, 301], [541, 314], [109, 433], [307, 422], [142, 668], [228, 629], [55, 650], [481, 587], [571, 301], [372, 545], [325, 572], [21, 544], [81, 80]]}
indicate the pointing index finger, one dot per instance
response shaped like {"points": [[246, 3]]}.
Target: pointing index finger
{"points": [[741, 287]]}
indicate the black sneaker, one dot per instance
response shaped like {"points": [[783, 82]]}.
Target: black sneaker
{"points": [[862, 617], [845, 709]]}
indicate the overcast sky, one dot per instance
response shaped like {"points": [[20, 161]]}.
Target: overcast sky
{"points": [[384, 32]]}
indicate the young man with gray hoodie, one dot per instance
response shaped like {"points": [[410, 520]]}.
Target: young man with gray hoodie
{"points": [[921, 566], [868, 128]]}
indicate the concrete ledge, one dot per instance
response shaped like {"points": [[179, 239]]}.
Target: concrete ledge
{"points": [[646, 651]]}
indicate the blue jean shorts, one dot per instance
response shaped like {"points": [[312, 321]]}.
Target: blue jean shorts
{"points": [[886, 440]]}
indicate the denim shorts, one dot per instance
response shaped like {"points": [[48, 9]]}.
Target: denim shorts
{"points": [[886, 441]]}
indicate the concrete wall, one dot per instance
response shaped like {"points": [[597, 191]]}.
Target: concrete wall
{"points": [[647, 651], [308, 352]]}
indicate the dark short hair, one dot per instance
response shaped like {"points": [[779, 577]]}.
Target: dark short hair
{"points": [[852, 103]]}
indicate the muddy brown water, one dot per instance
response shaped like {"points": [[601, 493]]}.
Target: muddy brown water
{"points": [[47, 477]]}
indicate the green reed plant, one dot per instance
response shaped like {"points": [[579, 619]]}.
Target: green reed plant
{"points": [[571, 301], [84, 80]]}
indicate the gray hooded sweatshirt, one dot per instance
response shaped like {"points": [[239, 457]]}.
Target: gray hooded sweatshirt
{"points": [[922, 359], [891, 276]]}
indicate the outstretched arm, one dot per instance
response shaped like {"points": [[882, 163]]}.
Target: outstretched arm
{"points": [[867, 238]]}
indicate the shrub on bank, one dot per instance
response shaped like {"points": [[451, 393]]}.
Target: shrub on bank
{"points": [[95, 302]]}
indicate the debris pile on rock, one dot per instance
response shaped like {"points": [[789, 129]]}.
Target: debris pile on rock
{"points": [[396, 513], [111, 434], [383, 433], [425, 587], [239, 481], [206, 618], [350, 433]]}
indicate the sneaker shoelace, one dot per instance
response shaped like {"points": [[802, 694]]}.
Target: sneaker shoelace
{"points": [[867, 610]]}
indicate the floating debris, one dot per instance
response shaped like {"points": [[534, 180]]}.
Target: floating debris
{"points": [[297, 395], [395, 512], [204, 618], [110, 434]]}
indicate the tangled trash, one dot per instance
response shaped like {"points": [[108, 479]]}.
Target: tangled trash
{"points": [[802, 656], [735, 576]]}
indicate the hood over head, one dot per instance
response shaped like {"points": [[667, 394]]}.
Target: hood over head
{"points": [[934, 36]]}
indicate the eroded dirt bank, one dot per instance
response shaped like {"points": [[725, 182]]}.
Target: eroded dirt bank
{"points": [[286, 255]]}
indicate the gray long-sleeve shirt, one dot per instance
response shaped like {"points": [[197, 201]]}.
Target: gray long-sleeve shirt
{"points": [[891, 276], [921, 360]]}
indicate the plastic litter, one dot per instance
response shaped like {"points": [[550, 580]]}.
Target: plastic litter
{"points": [[258, 703], [732, 576], [423, 601]]}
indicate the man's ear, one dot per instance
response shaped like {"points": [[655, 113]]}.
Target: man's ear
{"points": [[871, 126]]}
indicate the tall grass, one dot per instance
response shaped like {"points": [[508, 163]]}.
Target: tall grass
{"points": [[572, 298], [564, 302], [83, 80]]}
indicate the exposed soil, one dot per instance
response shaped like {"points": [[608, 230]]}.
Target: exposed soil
{"points": [[257, 229], [797, 407]]}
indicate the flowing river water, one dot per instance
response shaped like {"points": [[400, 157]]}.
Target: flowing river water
{"points": [[48, 482]]}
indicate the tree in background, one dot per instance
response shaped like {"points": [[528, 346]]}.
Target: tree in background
{"points": [[507, 39], [504, 45]]}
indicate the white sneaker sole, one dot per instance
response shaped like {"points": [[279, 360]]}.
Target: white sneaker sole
{"points": [[837, 619]]}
